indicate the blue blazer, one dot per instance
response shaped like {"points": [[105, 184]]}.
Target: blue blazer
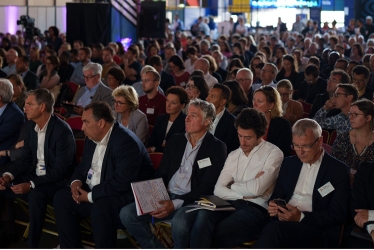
{"points": [[226, 131], [203, 180], [126, 160], [161, 123], [329, 212], [11, 122], [59, 153]]}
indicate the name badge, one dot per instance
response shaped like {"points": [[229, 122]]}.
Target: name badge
{"points": [[150, 111], [204, 163], [183, 84], [89, 176], [326, 189], [41, 170]]}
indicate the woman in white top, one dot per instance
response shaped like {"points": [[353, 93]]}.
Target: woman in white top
{"points": [[127, 113], [191, 53], [246, 182]]}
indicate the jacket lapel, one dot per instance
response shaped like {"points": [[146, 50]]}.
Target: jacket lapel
{"points": [[321, 173], [47, 136], [220, 129], [202, 153], [175, 124]]}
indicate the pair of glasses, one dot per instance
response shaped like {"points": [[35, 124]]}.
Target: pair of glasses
{"points": [[267, 70], [242, 79], [354, 115], [190, 86], [118, 103], [89, 77], [336, 95], [304, 148]]}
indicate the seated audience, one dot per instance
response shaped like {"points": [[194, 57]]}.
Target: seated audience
{"points": [[292, 110], [84, 57], [197, 88], [183, 175], [203, 65], [360, 78], [131, 66], [115, 77], [19, 90], [65, 70], [244, 77], [35, 61], [315, 188], [173, 122], [101, 185], [191, 53], [178, 71], [213, 67], [30, 80], [126, 112], [108, 62], [267, 78], [11, 59], [218, 57], [49, 78], [167, 80], [238, 100], [312, 84], [267, 100], [344, 96], [246, 181], [289, 71]]}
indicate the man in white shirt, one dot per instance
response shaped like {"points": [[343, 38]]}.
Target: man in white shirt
{"points": [[203, 65], [246, 181], [47, 155], [11, 59], [316, 187], [101, 184]]}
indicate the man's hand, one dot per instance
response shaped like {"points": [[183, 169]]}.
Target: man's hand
{"points": [[259, 174], [164, 211], [2, 153], [74, 190], [328, 105], [292, 214], [361, 217], [78, 110], [22, 188], [83, 195], [273, 209], [20, 144], [4, 181]]}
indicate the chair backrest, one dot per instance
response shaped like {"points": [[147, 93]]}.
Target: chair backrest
{"points": [[156, 159], [80, 148], [326, 136], [333, 137], [307, 106], [74, 87], [75, 122], [150, 129], [327, 148]]}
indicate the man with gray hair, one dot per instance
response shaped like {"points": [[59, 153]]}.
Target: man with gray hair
{"points": [[189, 168], [310, 199], [94, 90], [11, 59], [203, 65], [245, 78], [11, 118], [267, 77]]}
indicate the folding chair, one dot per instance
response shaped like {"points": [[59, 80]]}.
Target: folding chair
{"points": [[333, 137]]}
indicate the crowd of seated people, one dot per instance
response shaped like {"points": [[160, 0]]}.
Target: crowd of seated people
{"points": [[239, 105]]}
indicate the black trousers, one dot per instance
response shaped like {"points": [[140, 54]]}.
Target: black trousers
{"points": [[104, 215], [38, 199]]}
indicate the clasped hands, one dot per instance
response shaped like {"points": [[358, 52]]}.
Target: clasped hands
{"points": [[22, 188], [78, 194], [289, 214]]}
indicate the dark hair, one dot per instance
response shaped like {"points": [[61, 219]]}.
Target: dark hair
{"points": [[334, 38], [250, 118], [191, 51], [177, 61], [361, 70], [64, 58], [236, 62], [180, 92], [154, 44], [43, 96], [54, 60], [117, 73], [74, 52], [98, 46], [101, 110], [56, 31], [227, 47], [367, 107], [342, 60], [268, 51], [121, 50], [293, 62], [359, 49], [238, 96], [197, 72], [79, 42], [87, 50], [134, 50], [225, 91], [201, 85], [18, 80], [311, 69], [345, 78], [110, 50], [239, 46], [155, 60], [314, 60], [24, 59], [349, 89]]}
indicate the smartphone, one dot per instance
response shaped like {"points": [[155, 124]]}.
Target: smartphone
{"points": [[281, 203]]}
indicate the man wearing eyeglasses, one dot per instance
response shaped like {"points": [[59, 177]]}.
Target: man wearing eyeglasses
{"points": [[360, 79], [268, 75], [245, 78], [315, 189], [342, 99]]}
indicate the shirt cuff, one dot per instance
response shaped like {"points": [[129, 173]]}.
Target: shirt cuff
{"points": [[301, 217], [32, 184], [89, 196], [9, 174], [177, 203], [370, 228], [371, 215], [73, 182]]}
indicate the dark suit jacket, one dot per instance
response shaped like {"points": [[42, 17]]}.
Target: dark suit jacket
{"points": [[318, 103], [126, 160], [222, 73], [203, 180], [167, 81], [3, 74], [161, 123], [11, 122], [31, 81], [329, 212], [226, 131], [59, 153], [279, 133]]}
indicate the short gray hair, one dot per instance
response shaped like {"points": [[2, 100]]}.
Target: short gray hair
{"points": [[208, 109], [94, 67], [302, 125], [6, 90]]}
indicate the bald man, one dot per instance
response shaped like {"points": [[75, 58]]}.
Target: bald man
{"points": [[203, 65], [11, 59]]}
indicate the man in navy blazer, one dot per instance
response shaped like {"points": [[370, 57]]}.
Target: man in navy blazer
{"points": [[113, 158], [30, 80], [48, 154], [11, 119], [223, 126], [190, 167], [316, 187]]}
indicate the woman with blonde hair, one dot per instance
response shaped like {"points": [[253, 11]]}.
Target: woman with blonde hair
{"points": [[126, 111]]}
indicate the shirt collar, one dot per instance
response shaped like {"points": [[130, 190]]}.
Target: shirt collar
{"points": [[3, 108], [94, 88], [37, 129], [318, 162], [257, 147], [198, 141], [105, 140]]}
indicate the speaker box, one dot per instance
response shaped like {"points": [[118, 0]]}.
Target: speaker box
{"points": [[152, 19]]}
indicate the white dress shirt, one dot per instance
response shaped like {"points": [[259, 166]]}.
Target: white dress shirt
{"points": [[243, 169], [370, 227], [210, 80], [303, 193], [216, 121]]}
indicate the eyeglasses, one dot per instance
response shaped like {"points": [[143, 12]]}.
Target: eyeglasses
{"points": [[191, 86], [361, 81], [304, 148], [118, 103], [147, 80], [242, 79], [354, 115], [336, 95], [89, 77], [267, 70]]}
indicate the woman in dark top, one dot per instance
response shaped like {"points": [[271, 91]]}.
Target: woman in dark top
{"points": [[289, 72], [54, 38], [66, 69], [268, 100], [238, 100], [170, 123], [357, 145]]}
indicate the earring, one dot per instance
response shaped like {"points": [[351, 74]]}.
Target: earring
{"points": [[269, 110]]}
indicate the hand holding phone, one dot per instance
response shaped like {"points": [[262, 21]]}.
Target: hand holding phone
{"points": [[280, 202]]}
